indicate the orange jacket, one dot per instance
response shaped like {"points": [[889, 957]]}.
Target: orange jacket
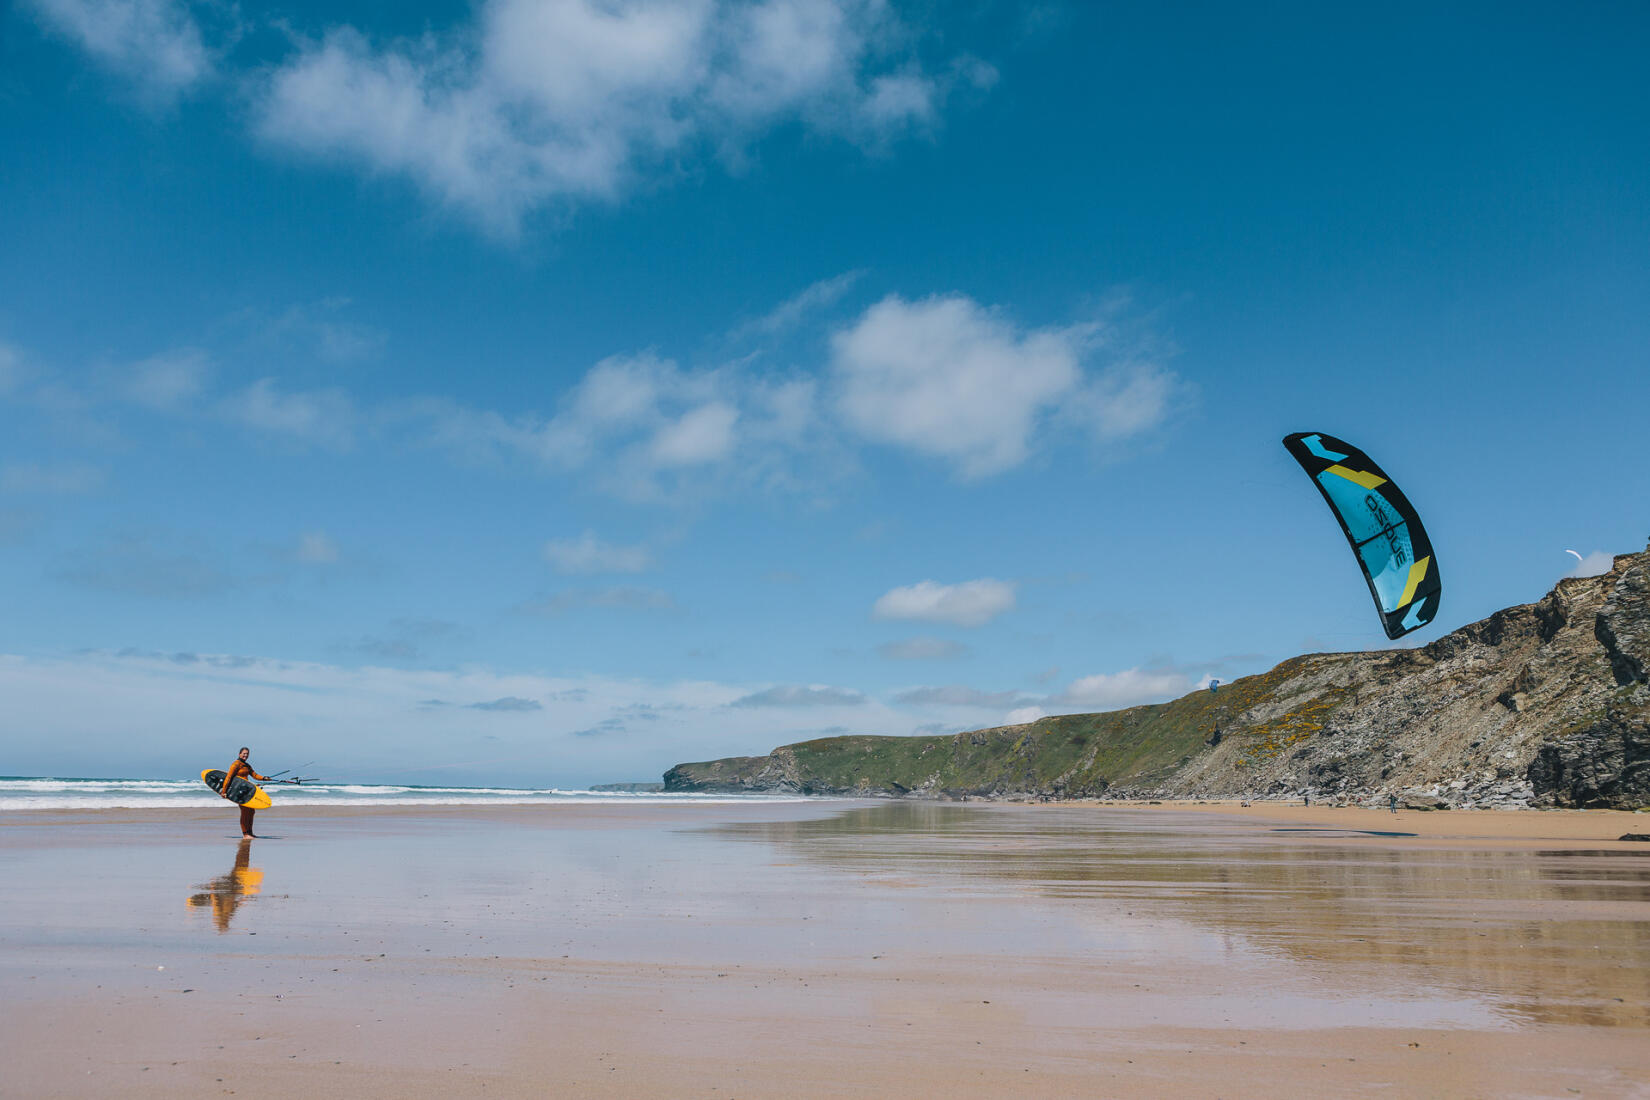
{"points": [[239, 767]]}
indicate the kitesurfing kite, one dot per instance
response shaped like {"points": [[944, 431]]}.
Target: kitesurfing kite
{"points": [[1386, 535]]}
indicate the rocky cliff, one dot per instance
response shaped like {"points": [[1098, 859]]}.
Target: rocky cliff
{"points": [[1543, 704]]}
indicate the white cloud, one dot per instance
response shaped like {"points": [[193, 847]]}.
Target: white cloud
{"points": [[1019, 716], [30, 477], [971, 603], [642, 426], [1131, 687], [948, 378], [588, 554], [572, 100], [322, 417], [696, 437], [1126, 400], [893, 99], [155, 43], [316, 548], [1594, 564]]}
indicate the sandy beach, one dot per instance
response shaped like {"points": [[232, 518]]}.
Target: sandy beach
{"points": [[826, 949]]}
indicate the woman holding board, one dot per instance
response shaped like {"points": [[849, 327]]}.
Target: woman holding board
{"points": [[239, 768]]}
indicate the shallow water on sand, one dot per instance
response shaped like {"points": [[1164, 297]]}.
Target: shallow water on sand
{"points": [[1092, 948], [1560, 935]]}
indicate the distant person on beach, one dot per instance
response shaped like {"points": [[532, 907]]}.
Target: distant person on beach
{"points": [[239, 768], [1306, 799], [1392, 802]]}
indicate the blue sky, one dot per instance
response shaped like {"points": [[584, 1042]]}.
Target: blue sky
{"points": [[550, 392]]}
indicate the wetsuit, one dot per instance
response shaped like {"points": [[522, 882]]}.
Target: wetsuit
{"points": [[238, 768]]}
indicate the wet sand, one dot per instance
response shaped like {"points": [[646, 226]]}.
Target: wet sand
{"points": [[826, 949]]}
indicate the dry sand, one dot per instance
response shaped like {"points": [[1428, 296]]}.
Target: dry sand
{"points": [[826, 949]]}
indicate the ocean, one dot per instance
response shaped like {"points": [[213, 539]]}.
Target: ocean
{"points": [[49, 793]]}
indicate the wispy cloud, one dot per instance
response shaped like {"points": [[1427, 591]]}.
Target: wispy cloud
{"points": [[956, 695], [157, 44], [11, 368], [971, 603], [405, 640], [1130, 687], [642, 425], [167, 381], [791, 695], [942, 377], [792, 312], [922, 649], [390, 649], [16, 526], [621, 598], [135, 709], [589, 554], [323, 326], [324, 418], [315, 548], [32, 477], [509, 704], [139, 565], [142, 712]]}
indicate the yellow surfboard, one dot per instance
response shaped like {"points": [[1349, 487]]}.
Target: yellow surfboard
{"points": [[242, 791]]}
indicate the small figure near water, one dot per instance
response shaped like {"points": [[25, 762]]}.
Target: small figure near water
{"points": [[239, 768]]}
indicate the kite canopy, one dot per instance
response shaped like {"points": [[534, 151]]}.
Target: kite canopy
{"points": [[1385, 533]]}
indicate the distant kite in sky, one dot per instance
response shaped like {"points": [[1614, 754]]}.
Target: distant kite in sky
{"points": [[1385, 533], [1578, 556]]}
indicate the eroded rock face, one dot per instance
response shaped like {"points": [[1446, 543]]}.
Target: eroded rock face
{"points": [[1605, 764], [1623, 626], [1542, 704], [1604, 759]]}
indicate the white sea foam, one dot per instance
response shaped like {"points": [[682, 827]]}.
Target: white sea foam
{"points": [[47, 793]]}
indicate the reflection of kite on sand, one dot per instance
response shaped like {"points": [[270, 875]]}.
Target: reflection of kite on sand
{"points": [[1386, 535]]}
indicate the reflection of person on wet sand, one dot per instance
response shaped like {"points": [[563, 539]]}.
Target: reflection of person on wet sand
{"points": [[238, 768], [225, 892]]}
